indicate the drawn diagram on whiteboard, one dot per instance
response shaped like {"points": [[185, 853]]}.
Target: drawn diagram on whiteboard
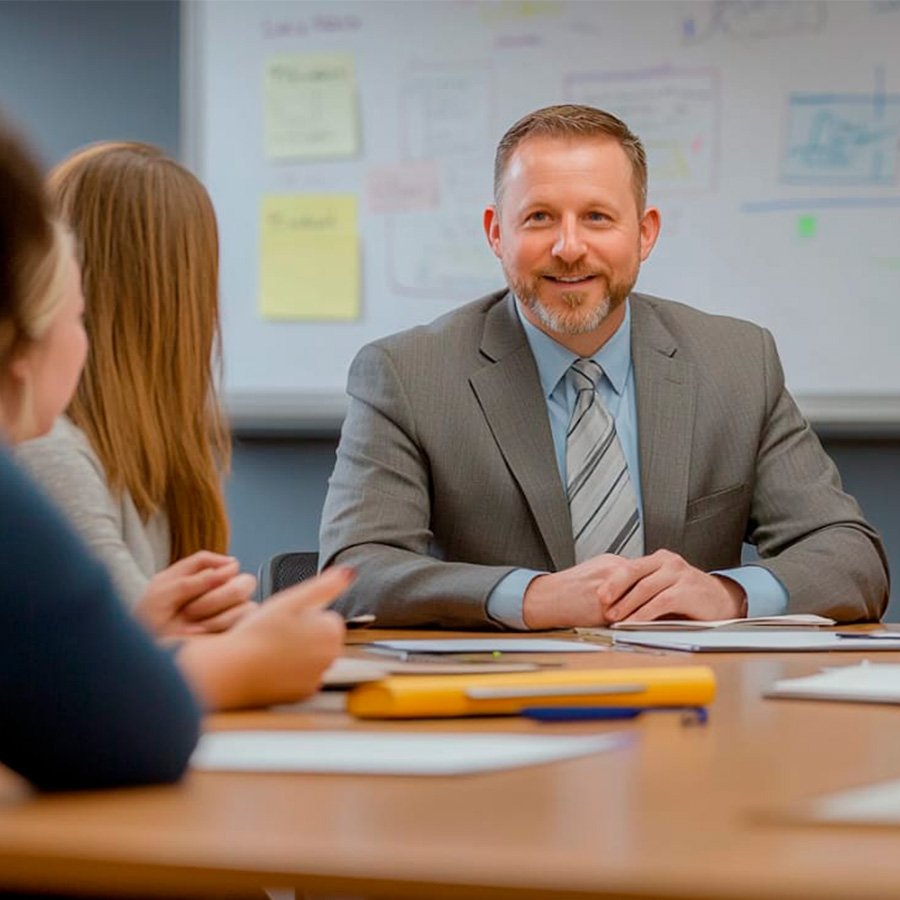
{"points": [[842, 139], [445, 110], [444, 258], [446, 120], [675, 113], [759, 20]]}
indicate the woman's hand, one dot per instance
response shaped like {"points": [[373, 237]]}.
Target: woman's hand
{"points": [[277, 655], [204, 592]]}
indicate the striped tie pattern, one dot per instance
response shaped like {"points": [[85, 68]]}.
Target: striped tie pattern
{"points": [[602, 502]]}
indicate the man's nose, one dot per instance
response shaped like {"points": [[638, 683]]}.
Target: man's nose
{"points": [[569, 245]]}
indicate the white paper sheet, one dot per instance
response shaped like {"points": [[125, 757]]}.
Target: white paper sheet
{"points": [[346, 671], [874, 804], [486, 645], [395, 753], [762, 641], [865, 683]]}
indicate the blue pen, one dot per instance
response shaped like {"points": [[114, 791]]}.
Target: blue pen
{"points": [[690, 715]]}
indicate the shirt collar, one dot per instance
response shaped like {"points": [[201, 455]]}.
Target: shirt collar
{"points": [[553, 360]]}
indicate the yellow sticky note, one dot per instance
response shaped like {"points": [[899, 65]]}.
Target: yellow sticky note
{"points": [[311, 106], [309, 257]]}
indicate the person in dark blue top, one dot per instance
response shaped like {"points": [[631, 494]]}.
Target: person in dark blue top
{"points": [[87, 700]]}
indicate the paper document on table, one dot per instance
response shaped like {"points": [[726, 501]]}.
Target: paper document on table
{"points": [[482, 645], [761, 641], [347, 671], [873, 804], [797, 620], [865, 683], [397, 753]]}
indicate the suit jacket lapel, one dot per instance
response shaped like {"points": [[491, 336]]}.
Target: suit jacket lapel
{"points": [[511, 398], [665, 412]]}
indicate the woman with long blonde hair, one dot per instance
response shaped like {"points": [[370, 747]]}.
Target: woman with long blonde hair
{"points": [[138, 459]]}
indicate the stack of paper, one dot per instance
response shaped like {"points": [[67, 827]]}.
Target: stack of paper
{"points": [[866, 683], [874, 804], [761, 641], [367, 753], [346, 671]]}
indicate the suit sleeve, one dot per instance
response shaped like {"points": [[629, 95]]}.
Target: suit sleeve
{"points": [[377, 514], [88, 700], [809, 533]]}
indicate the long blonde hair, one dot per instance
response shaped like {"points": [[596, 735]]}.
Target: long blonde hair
{"points": [[147, 400]]}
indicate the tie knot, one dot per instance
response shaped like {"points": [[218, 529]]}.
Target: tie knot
{"points": [[586, 374]]}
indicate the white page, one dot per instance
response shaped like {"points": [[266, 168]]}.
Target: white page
{"points": [[874, 804], [394, 753], [796, 620], [346, 671], [485, 645], [761, 641], [865, 683]]}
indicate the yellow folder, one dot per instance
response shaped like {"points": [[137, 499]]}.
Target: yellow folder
{"points": [[486, 695]]}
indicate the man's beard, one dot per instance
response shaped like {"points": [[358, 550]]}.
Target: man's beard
{"points": [[574, 318]]}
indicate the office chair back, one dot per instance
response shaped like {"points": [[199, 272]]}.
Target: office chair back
{"points": [[285, 569]]}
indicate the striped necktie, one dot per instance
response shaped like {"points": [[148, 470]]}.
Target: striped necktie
{"points": [[602, 502]]}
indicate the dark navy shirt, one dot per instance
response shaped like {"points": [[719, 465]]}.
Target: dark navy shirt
{"points": [[87, 700]]}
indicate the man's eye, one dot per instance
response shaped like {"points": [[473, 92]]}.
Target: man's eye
{"points": [[597, 216], [538, 217]]}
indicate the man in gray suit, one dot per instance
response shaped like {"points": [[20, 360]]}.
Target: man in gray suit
{"points": [[568, 452]]}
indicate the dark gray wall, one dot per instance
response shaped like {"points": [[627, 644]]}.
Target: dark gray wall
{"points": [[77, 71]]}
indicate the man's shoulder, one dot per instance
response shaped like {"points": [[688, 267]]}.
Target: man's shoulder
{"points": [[688, 325]]}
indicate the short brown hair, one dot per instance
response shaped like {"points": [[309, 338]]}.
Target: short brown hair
{"points": [[574, 121]]}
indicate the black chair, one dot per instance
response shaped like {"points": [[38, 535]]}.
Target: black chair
{"points": [[285, 569]]}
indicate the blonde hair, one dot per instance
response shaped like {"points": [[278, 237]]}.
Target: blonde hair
{"points": [[34, 252], [43, 284], [147, 401]]}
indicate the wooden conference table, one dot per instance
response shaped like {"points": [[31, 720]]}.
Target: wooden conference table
{"points": [[682, 813]]}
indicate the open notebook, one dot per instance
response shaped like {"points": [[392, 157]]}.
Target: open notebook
{"points": [[798, 620]]}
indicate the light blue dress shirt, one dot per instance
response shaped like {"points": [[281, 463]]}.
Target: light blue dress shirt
{"points": [[766, 596]]}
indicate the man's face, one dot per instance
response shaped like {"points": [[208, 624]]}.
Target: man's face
{"points": [[568, 232]]}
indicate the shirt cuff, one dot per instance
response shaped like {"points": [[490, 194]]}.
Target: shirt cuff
{"points": [[505, 602], [766, 595]]}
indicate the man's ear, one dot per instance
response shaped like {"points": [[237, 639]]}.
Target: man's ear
{"points": [[650, 225], [492, 229]]}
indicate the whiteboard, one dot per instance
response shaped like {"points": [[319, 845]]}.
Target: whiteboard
{"points": [[773, 138]]}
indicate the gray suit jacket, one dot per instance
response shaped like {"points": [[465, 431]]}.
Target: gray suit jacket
{"points": [[446, 478]]}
